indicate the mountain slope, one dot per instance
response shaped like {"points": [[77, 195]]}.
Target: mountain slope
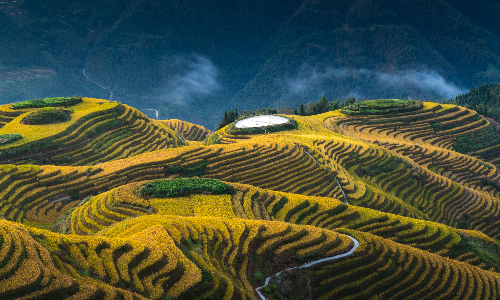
{"points": [[246, 54], [346, 205]]}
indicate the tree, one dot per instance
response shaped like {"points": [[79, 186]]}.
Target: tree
{"points": [[302, 109], [272, 111], [309, 108], [321, 106], [480, 109], [335, 104], [494, 112], [228, 118]]}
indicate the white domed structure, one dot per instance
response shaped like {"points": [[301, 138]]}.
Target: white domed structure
{"points": [[260, 121]]}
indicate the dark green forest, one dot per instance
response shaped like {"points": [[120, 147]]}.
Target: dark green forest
{"points": [[484, 99], [196, 59]]}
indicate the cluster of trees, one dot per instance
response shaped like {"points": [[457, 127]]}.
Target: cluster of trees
{"points": [[312, 108], [484, 99], [322, 106], [231, 116], [228, 118]]}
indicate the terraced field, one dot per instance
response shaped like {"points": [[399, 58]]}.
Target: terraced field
{"points": [[189, 131], [99, 131], [76, 226]]}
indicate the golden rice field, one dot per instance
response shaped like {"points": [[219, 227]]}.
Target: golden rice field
{"points": [[98, 131], [189, 131], [73, 224]]}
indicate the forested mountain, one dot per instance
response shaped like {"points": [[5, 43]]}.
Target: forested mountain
{"points": [[194, 59], [485, 99]]}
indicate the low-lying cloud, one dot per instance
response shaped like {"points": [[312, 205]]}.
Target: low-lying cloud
{"points": [[369, 84], [426, 80], [189, 77]]}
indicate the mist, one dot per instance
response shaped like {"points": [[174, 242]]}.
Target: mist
{"points": [[189, 78], [310, 82], [427, 80]]}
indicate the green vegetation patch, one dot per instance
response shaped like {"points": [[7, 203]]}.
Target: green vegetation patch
{"points": [[486, 252], [160, 188], [382, 106], [9, 138], [212, 139], [47, 115], [477, 140], [291, 284], [48, 102]]}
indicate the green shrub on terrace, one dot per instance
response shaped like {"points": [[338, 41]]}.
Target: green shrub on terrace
{"points": [[159, 188], [212, 139], [48, 102], [381, 106], [9, 138], [47, 115]]}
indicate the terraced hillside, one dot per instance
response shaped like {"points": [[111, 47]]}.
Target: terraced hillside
{"points": [[98, 131], [189, 131], [356, 207]]}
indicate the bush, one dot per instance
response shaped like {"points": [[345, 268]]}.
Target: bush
{"points": [[48, 102], [9, 138], [212, 139], [258, 276], [47, 115], [271, 291], [160, 188]]}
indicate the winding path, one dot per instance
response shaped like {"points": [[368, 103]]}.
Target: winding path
{"points": [[356, 244], [343, 193], [110, 92]]}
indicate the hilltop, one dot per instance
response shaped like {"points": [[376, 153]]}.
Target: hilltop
{"points": [[374, 200]]}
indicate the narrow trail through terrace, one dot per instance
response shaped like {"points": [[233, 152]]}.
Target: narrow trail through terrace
{"points": [[338, 182], [356, 244]]}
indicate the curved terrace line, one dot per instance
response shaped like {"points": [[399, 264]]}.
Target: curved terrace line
{"points": [[341, 189], [356, 244]]}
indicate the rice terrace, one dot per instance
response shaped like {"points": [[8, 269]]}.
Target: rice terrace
{"points": [[382, 199]]}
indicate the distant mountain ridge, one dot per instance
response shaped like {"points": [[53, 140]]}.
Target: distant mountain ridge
{"points": [[256, 54]]}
